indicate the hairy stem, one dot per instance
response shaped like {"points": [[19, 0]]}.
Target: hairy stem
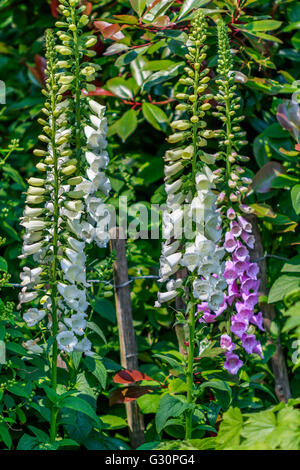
{"points": [[189, 376], [54, 266], [77, 82]]}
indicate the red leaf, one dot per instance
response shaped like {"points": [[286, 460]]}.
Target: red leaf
{"points": [[109, 30], [39, 70], [54, 5], [88, 9], [161, 21], [129, 376], [262, 181], [125, 395], [297, 147], [98, 92]]}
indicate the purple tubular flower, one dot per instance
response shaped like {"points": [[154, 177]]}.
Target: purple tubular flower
{"points": [[230, 242], [249, 342], [208, 318], [240, 266], [231, 214], [230, 272], [241, 253], [239, 325], [257, 320], [252, 270], [250, 286], [233, 292], [235, 229], [248, 239], [258, 349], [243, 311], [226, 343], [221, 308], [246, 226], [233, 363], [250, 299]]}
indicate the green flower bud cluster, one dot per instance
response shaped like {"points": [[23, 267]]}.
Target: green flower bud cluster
{"points": [[232, 137], [192, 127], [76, 74]]}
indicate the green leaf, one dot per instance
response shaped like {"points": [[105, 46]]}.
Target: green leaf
{"points": [[148, 403], [138, 6], [14, 174], [155, 116], [112, 422], [120, 87], [105, 309], [169, 406], [5, 435], [97, 369], [264, 25], [162, 76], [27, 442], [230, 429], [296, 40], [3, 265], [10, 230], [259, 426], [78, 404], [188, 5], [126, 125], [282, 286], [92, 326], [295, 195]]}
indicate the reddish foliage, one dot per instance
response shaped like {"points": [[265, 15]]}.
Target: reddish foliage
{"points": [[129, 376], [98, 92], [39, 70], [297, 147], [109, 30], [54, 5], [125, 395]]}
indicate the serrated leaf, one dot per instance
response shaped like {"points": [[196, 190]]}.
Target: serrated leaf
{"points": [[169, 406], [282, 286], [78, 404]]}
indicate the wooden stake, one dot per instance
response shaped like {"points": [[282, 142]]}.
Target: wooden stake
{"points": [[128, 345], [282, 386]]}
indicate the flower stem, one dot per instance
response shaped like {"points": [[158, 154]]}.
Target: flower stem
{"points": [[195, 109], [189, 375], [54, 266], [228, 132], [77, 82]]}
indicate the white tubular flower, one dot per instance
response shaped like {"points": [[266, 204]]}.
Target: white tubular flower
{"points": [[201, 289], [30, 249], [84, 346], [75, 298], [30, 277], [33, 316], [73, 272], [63, 212], [166, 296], [25, 296], [77, 323], [32, 346], [66, 341]]}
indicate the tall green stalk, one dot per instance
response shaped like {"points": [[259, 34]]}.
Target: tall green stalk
{"points": [[190, 370], [52, 89]]}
